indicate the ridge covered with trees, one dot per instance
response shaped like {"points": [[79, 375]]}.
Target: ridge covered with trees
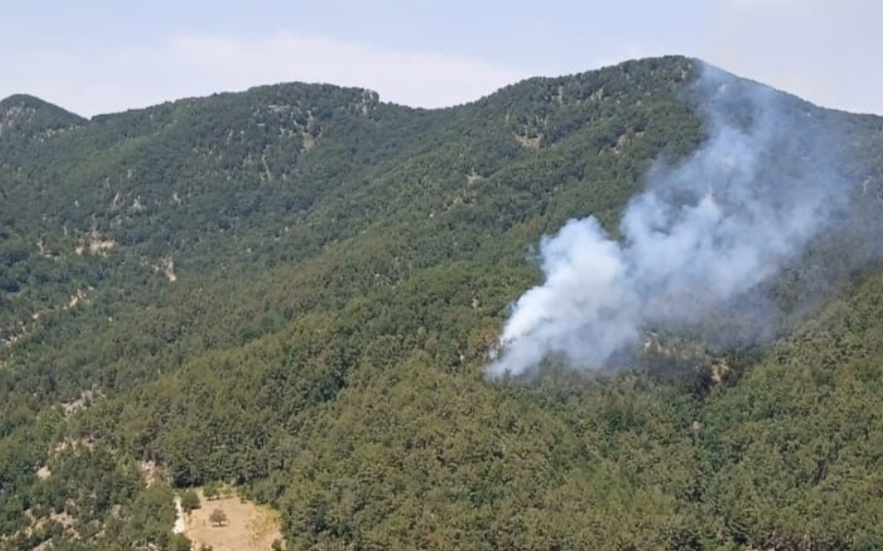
{"points": [[295, 289]]}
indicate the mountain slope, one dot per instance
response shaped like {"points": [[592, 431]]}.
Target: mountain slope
{"points": [[296, 289], [24, 114]]}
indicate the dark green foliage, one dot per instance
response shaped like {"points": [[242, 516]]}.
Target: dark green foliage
{"points": [[341, 269], [189, 501], [210, 491]]}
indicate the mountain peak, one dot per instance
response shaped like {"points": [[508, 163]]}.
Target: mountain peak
{"points": [[32, 114]]}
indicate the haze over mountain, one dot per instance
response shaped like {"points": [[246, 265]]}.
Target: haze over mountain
{"points": [[299, 290]]}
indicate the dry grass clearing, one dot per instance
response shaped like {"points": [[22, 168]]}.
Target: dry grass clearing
{"points": [[249, 527]]}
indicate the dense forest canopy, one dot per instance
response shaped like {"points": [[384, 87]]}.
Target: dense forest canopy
{"points": [[297, 290]]}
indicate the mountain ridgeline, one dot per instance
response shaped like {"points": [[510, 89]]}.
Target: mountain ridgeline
{"points": [[298, 289]]}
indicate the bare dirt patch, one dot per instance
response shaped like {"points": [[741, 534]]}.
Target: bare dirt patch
{"points": [[151, 474], [86, 399], [167, 266], [180, 526], [95, 244], [309, 141], [526, 141], [249, 527], [87, 442], [169, 269]]}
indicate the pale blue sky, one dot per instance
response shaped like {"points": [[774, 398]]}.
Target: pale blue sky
{"points": [[95, 56]]}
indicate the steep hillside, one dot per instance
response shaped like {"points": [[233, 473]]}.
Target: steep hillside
{"points": [[297, 289]]}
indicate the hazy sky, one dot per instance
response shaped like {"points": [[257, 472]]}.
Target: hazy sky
{"points": [[97, 56]]}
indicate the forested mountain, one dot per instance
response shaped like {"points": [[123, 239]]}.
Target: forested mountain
{"points": [[297, 289]]}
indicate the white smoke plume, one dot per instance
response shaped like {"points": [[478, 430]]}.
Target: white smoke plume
{"points": [[701, 238]]}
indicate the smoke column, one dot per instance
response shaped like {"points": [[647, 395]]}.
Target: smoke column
{"points": [[702, 237]]}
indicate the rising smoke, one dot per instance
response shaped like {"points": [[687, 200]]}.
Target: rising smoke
{"points": [[703, 238]]}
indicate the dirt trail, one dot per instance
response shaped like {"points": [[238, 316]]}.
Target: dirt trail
{"points": [[180, 522]]}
